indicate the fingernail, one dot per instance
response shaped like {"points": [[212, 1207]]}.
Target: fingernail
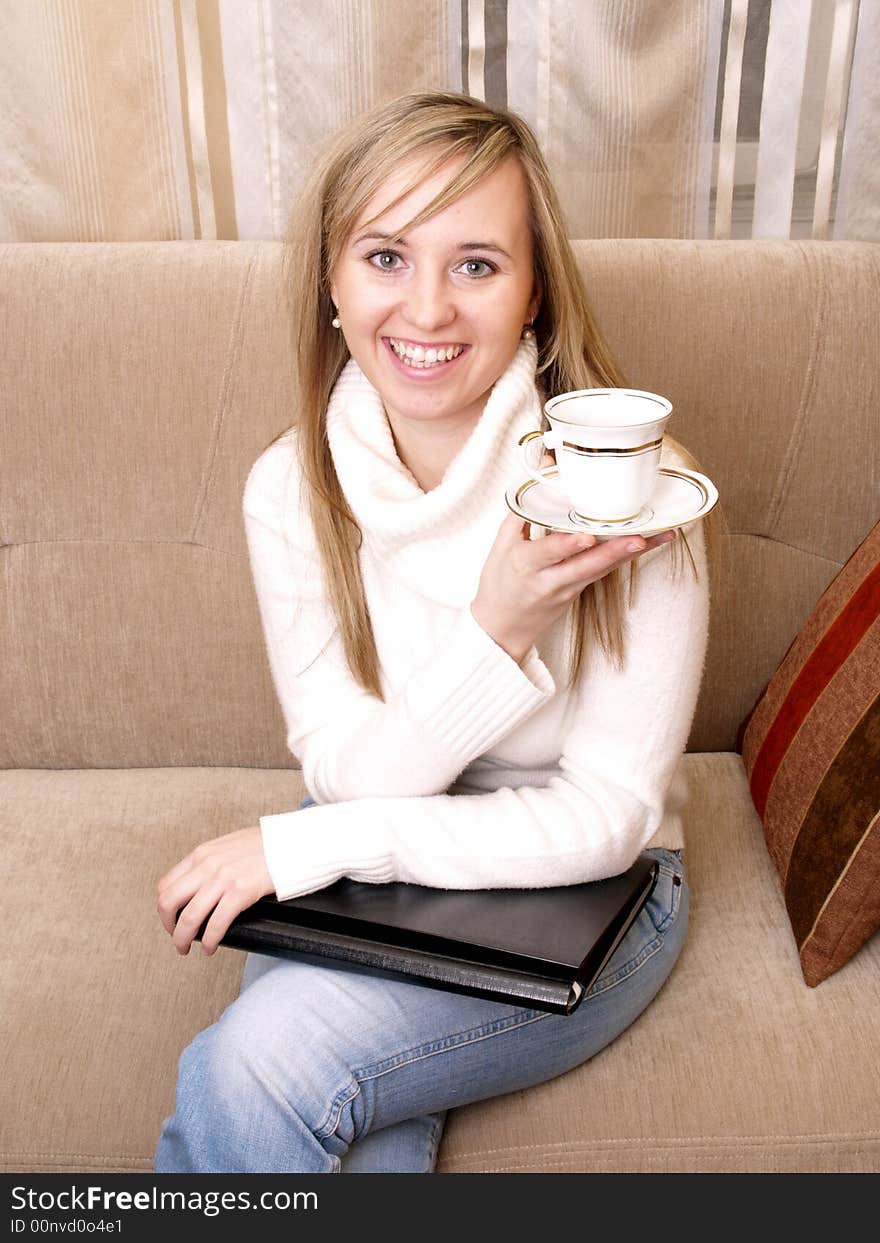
{"points": [[667, 538], [634, 546]]}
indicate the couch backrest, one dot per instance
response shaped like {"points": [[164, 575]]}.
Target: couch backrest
{"points": [[141, 381]]}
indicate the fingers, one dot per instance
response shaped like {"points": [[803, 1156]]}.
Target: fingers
{"points": [[186, 895], [601, 559], [558, 546], [186, 902], [192, 914], [512, 530], [167, 906], [226, 910], [217, 879], [196, 857], [174, 890], [176, 872]]}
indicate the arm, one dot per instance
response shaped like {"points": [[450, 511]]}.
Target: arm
{"points": [[350, 744], [627, 734]]}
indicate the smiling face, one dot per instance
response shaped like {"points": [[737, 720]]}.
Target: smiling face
{"points": [[434, 319]]}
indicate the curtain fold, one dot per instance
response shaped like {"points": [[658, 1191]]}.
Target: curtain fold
{"points": [[179, 119], [858, 195], [784, 69]]}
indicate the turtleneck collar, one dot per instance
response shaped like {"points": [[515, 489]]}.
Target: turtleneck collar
{"points": [[434, 541]]}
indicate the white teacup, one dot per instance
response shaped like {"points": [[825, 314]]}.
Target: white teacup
{"points": [[606, 442]]}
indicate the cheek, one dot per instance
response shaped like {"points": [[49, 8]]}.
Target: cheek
{"points": [[512, 312], [351, 291], [508, 330], [366, 305]]}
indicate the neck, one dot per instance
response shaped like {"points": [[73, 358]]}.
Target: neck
{"points": [[429, 496], [427, 449]]}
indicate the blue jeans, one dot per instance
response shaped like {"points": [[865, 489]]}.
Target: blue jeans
{"points": [[317, 1070]]}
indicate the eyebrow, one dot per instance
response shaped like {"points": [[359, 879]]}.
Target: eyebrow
{"points": [[394, 237]]}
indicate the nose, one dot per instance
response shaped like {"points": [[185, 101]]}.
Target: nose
{"points": [[429, 302]]}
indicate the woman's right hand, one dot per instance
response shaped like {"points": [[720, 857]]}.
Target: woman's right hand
{"points": [[527, 584]]}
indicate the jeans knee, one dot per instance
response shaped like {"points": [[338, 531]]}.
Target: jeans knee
{"points": [[238, 1110], [250, 1069], [235, 1064], [212, 1073]]}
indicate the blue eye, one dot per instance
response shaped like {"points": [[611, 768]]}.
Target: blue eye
{"points": [[384, 260], [478, 267]]}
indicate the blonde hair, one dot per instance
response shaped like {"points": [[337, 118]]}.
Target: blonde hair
{"points": [[572, 353]]}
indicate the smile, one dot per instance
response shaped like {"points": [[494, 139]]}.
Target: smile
{"points": [[423, 357]]}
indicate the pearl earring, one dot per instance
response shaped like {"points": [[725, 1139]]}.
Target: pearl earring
{"points": [[335, 321], [528, 333]]}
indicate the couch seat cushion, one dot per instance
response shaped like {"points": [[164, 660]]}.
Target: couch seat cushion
{"points": [[737, 1065], [96, 1004]]}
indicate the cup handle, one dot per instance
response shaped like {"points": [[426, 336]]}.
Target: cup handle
{"points": [[543, 440], [525, 443]]}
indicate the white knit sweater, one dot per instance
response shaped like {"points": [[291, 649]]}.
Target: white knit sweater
{"points": [[475, 772]]}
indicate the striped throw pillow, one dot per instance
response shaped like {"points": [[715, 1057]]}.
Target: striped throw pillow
{"points": [[811, 749]]}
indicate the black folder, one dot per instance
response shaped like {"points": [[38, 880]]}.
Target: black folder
{"points": [[542, 948]]}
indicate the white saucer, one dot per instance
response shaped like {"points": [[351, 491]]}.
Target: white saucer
{"points": [[679, 497]]}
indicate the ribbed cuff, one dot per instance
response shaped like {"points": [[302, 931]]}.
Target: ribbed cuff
{"points": [[474, 694], [537, 672], [309, 849]]}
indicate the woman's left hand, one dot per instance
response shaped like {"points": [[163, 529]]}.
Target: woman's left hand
{"points": [[225, 875]]}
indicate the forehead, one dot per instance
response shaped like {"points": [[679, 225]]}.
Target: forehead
{"points": [[499, 199]]}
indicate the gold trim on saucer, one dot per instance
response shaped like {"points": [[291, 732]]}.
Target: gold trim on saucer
{"points": [[515, 503], [523, 488]]}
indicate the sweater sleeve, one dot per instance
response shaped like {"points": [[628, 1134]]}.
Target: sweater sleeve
{"points": [[351, 745], [627, 732]]}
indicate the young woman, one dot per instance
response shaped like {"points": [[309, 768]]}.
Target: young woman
{"points": [[474, 704]]}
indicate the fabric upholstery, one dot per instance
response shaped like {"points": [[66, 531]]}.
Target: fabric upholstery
{"points": [[811, 749], [141, 381], [735, 1065], [95, 1002]]}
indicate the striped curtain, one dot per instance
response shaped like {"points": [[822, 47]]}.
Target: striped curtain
{"points": [[175, 119]]}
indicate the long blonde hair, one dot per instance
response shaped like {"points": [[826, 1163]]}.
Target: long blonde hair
{"points": [[572, 353]]}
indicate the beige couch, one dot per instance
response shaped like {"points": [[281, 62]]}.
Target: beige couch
{"points": [[140, 383]]}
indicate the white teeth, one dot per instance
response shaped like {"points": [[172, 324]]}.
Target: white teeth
{"points": [[420, 357]]}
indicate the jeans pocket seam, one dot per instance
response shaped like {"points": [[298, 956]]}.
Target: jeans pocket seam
{"points": [[628, 969], [676, 880]]}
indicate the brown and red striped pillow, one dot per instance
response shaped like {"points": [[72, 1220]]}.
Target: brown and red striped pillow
{"points": [[811, 749]]}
